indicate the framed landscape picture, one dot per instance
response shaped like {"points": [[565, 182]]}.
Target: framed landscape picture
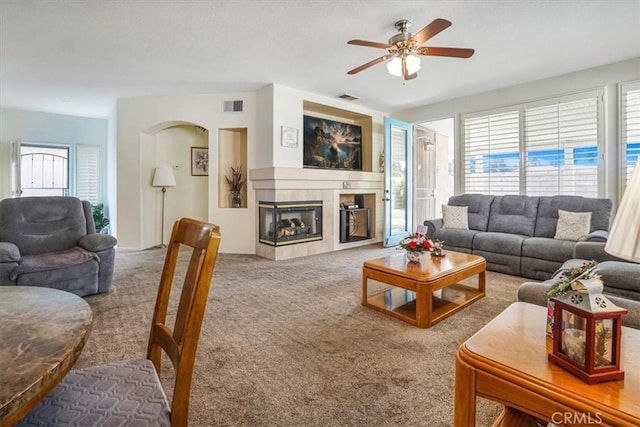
{"points": [[329, 144], [199, 161]]}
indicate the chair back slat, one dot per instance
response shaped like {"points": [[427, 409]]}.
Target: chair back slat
{"points": [[180, 342]]}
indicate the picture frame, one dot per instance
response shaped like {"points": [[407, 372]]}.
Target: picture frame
{"points": [[199, 161], [329, 144], [289, 137]]}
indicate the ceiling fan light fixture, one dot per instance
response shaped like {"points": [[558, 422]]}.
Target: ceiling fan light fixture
{"points": [[394, 66], [413, 63]]}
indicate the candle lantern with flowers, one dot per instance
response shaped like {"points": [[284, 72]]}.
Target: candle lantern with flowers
{"points": [[587, 332]]}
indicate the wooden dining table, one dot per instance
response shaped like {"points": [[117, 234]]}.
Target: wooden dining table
{"points": [[42, 332]]}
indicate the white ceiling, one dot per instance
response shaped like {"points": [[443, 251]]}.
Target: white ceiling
{"points": [[78, 57]]}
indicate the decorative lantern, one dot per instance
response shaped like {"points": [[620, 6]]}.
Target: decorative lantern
{"points": [[587, 333]]}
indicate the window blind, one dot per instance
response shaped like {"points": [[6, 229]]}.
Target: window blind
{"points": [[491, 154], [87, 173], [548, 147], [561, 142], [630, 126]]}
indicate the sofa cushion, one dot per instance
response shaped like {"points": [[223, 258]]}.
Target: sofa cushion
{"points": [[42, 224], [455, 237], [455, 217], [547, 249], [513, 214], [53, 261], [503, 243], [478, 208], [572, 225], [548, 212]]}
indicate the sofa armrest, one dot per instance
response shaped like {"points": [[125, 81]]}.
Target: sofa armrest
{"points": [[597, 236], [593, 250], [432, 225], [620, 275], [97, 242], [9, 252]]}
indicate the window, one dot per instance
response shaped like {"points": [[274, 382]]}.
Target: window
{"points": [[630, 129], [55, 170], [561, 143], [44, 170], [544, 148], [491, 154]]}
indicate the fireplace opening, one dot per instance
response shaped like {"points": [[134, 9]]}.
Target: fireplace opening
{"points": [[286, 223]]}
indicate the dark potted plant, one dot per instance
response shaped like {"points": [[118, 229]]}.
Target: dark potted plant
{"points": [[236, 182], [101, 221]]}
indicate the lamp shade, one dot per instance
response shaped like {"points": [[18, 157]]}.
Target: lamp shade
{"points": [[394, 66], [163, 177], [624, 236]]}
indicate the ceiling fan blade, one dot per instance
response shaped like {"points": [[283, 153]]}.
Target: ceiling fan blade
{"points": [[369, 44], [369, 64], [445, 51], [431, 30]]}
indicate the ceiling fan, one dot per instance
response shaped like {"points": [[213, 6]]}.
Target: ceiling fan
{"points": [[404, 47]]}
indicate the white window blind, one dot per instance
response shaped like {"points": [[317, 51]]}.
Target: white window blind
{"points": [[561, 142], [88, 173], [491, 154], [630, 126], [548, 147]]}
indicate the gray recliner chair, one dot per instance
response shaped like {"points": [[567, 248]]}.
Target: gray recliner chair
{"points": [[52, 242]]}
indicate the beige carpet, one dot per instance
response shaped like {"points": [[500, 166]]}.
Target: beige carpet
{"points": [[287, 343]]}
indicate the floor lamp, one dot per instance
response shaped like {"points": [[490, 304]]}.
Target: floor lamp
{"points": [[163, 177], [624, 236]]}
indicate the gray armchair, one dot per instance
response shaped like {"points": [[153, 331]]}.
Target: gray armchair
{"points": [[52, 242]]}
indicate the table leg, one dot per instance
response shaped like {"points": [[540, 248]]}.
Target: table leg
{"points": [[482, 281], [465, 395], [364, 286], [424, 303]]}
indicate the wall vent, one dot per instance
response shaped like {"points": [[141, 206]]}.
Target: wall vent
{"points": [[347, 97], [232, 106]]}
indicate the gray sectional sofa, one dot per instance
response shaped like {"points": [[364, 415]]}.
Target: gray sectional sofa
{"points": [[515, 234], [52, 242]]}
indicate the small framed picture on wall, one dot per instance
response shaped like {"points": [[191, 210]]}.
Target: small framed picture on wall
{"points": [[199, 161]]}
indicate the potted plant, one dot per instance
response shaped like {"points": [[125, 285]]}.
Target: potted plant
{"points": [[236, 182], [101, 221]]}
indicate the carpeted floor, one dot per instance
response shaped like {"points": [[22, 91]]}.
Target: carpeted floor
{"points": [[287, 343]]}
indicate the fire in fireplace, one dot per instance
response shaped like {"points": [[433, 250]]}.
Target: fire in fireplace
{"points": [[285, 223]]}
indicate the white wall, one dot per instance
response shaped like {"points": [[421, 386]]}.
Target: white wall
{"points": [[606, 77], [139, 150], [32, 126]]}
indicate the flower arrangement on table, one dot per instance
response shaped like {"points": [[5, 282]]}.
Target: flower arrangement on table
{"points": [[570, 275], [416, 243]]}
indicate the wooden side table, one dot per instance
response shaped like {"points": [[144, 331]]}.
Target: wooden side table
{"points": [[506, 361]]}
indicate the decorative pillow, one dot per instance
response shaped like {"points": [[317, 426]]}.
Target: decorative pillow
{"points": [[572, 225], [455, 217]]}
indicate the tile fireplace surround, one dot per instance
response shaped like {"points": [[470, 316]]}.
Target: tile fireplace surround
{"points": [[329, 186]]}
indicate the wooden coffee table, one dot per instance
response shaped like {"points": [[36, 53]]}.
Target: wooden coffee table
{"points": [[423, 293], [506, 361]]}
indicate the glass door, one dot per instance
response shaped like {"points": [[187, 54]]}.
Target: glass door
{"points": [[398, 181]]}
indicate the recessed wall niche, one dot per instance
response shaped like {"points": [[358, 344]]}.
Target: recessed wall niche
{"points": [[345, 116], [232, 152]]}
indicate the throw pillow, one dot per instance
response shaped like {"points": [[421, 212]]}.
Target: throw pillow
{"points": [[572, 225], [455, 217]]}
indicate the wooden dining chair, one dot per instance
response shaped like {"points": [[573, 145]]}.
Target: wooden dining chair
{"points": [[129, 393]]}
